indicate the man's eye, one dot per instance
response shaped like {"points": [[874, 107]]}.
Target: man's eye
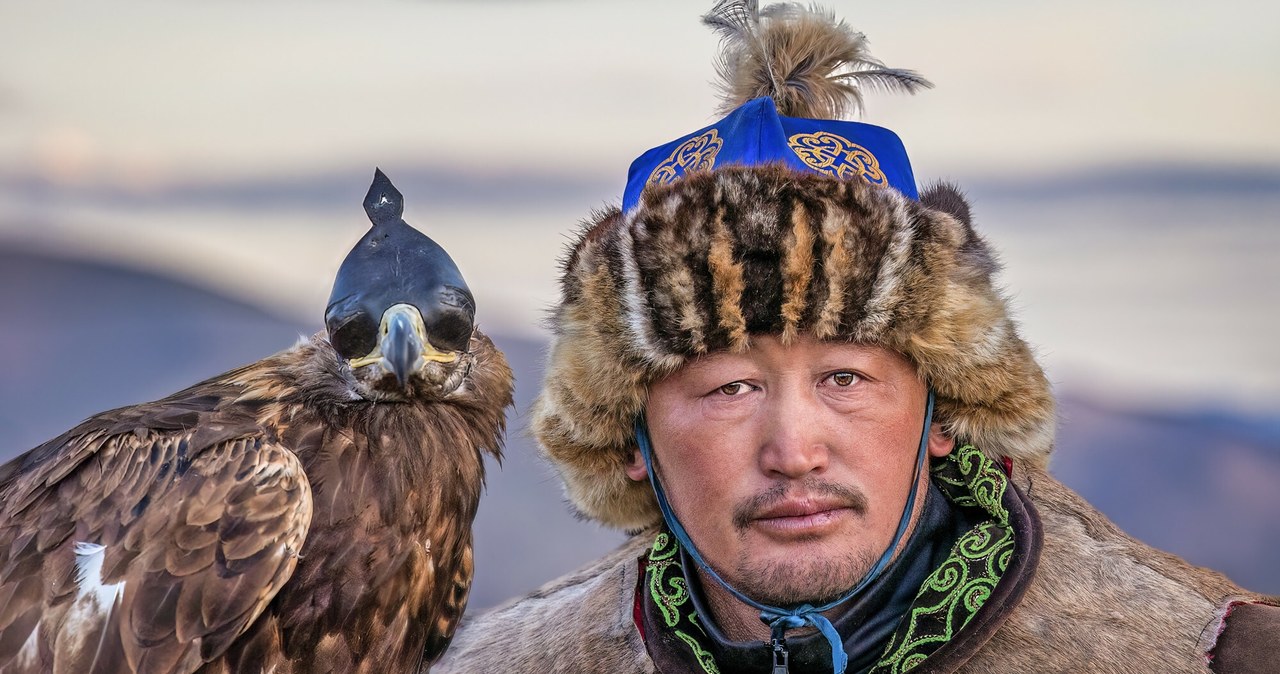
{"points": [[733, 388], [844, 378]]}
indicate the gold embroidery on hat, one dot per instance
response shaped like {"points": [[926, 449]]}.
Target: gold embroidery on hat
{"points": [[836, 156], [696, 154]]}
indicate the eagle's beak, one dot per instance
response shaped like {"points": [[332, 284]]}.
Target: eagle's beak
{"points": [[403, 347], [402, 341]]}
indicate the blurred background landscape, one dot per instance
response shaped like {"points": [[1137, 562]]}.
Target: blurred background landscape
{"points": [[179, 181]]}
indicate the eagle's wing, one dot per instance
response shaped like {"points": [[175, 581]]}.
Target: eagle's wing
{"points": [[143, 550], [450, 613]]}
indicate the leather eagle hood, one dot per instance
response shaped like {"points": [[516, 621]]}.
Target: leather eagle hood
{"points": [[713, 255]]}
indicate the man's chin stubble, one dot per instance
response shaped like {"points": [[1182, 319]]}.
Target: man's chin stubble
{"points": [[802, 581]]}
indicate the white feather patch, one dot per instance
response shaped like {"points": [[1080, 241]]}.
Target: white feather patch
{"points": [[94, 602], [89, 558]]}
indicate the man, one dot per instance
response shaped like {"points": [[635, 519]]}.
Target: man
{"points": [[792, 376]]}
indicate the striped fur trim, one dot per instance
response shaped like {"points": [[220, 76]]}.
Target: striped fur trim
{"points": [[704, 263]]}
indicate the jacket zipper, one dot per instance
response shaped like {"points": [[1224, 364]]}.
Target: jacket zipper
{"points": [[780, 656]]}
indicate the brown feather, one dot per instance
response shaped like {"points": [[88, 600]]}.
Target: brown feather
{"points": [[811, 64], [265, 518]]}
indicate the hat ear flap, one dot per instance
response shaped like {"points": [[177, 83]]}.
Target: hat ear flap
{"points": [[948, 198]]}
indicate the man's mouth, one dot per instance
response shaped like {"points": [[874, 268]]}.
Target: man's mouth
{"points": [[807, 516], [800, 510]]}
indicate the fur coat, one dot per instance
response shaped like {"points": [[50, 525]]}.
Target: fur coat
{"points": [[1099, 602]]}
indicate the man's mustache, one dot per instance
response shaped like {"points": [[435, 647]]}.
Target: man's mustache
{"points": [[844, 496]]}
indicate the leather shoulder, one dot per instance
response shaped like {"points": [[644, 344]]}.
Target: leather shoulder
{"points": [[579, 623], [1102, 601]]}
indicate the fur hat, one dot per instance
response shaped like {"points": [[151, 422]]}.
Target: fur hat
{"points": [[702, 262]]}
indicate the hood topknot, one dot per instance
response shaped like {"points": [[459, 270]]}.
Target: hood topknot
{"points": [[706, 260], [810, 63]]}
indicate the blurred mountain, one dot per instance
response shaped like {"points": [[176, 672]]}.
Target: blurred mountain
{"points": [[519, 188], [1135, 178], [322, 190], [80, 336]]}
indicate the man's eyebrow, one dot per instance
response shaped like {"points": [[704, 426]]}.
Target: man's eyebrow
{"points": [[705, 362]]}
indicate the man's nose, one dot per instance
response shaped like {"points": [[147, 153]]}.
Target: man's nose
{"points": [[793, 443]]}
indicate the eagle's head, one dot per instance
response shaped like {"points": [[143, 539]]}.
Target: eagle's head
{"points": [[400, 315]]}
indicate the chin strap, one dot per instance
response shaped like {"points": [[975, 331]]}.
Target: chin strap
{"points": [[780, 619]]}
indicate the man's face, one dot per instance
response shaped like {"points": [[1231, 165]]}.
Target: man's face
{"points": [[789, 466]]}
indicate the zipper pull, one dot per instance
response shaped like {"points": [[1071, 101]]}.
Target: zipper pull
{"points": [[780, 656]]}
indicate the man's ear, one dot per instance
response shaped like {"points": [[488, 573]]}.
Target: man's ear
{"points": [[636, 469], [940, 444]]}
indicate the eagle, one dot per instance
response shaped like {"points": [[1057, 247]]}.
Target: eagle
{"points": [[310, 512]]}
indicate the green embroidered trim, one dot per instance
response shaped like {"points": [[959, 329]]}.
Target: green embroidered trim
{"points": [[954, 592], [704, 658], [970, 480], [670, 594], [946, 602]]}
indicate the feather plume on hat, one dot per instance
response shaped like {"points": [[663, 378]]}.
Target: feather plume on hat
{"points": [[810, 63]]}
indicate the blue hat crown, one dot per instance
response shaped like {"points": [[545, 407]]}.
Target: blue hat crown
{"points": [[782, 94], [755, 134]]}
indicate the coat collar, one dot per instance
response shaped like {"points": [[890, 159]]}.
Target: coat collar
{"points": [[680, 636]]}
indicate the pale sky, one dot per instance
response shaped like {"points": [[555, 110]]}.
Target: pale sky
{"points": [[137, 90], [140, 94]]}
